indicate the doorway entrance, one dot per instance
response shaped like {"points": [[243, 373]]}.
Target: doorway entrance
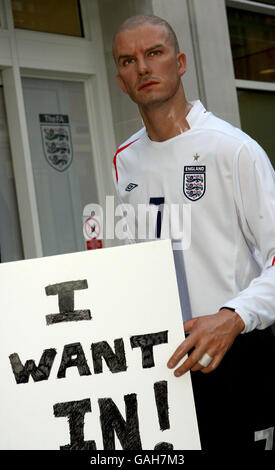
{"points": [[62, 160]]}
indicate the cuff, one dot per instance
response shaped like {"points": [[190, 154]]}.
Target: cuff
{"points": [[246, 317]]}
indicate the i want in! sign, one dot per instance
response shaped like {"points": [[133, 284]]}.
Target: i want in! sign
{"points": [[85, 339]]}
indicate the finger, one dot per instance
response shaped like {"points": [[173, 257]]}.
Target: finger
{"points": [[213, 364], [196, 367], [181, 351], [212, 353], [189, 362]]}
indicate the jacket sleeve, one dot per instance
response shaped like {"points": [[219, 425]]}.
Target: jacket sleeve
{"points": [[254, 187]]}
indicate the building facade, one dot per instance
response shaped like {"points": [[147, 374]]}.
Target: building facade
{"points": [[62, 114]]}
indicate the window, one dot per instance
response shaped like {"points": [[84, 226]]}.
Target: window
{"points": [[257, 111], [253, 44], [252, 37], [50, 16]]}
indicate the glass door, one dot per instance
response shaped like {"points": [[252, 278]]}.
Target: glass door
{"points": [[62, 160], [10, 233]]}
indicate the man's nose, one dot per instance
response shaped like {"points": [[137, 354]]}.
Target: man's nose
{"points": [[142, 66]]}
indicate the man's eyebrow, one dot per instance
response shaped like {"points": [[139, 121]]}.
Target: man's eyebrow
{"points": [[127, 56], [154, 47]]}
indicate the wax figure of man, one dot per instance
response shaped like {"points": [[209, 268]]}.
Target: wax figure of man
{"points": [[186, 155]]}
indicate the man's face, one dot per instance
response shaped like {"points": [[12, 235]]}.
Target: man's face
{"points": [[149, 69]]}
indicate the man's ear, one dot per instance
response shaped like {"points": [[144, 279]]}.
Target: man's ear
{"points": [[121, 83], [181, 58]]}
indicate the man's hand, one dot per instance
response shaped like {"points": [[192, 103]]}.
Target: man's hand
{"points": [[211, 334]]}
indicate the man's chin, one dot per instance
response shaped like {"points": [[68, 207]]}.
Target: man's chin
{"points": [[153, 99], [153, 102]]}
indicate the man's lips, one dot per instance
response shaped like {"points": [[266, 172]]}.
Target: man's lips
{"points": [[146, 84]]}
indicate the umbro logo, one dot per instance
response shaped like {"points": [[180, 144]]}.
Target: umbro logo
{"points": [[131, 186]]}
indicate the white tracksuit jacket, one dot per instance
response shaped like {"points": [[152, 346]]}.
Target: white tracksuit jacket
{"points": [[228, 181]]}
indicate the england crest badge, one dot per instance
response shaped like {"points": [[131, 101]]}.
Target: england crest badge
{"points": [[194, 182], [56, 140]]}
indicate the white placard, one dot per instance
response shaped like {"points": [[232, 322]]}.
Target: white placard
{"points": [[85, 339]]}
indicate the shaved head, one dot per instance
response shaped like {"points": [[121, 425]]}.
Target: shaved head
{"points": [[140, 20]]}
